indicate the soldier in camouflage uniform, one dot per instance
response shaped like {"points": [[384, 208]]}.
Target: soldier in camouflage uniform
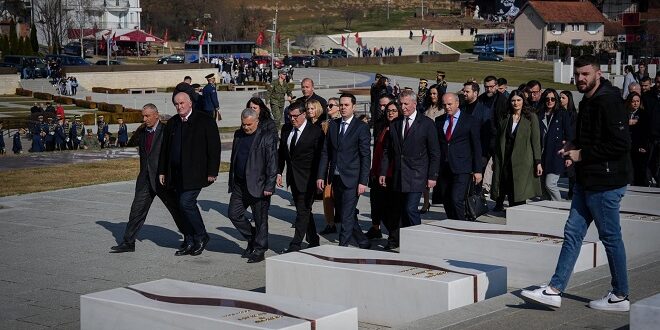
{"points": [[279, 92], [67, 133], [102, 130]]}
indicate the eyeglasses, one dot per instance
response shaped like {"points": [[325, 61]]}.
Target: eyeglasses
{"points": [[332, 105], [550, 99], [535, 92], [295, 116]]}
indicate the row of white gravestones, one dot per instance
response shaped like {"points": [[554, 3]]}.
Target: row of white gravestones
{"points": [[442, 265]]}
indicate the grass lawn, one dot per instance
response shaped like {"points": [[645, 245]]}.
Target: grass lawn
{"points": [[21, 181], [516, 72], [461, 46]]}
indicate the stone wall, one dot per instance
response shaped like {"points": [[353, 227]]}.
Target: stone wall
{"points": [[9, 83], [153, 76]]}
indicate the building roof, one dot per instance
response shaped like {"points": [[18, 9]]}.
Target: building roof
{"points": [[566, 12]]}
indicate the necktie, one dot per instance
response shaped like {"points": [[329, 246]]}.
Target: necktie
{"points": [[293, 139], [449, 128], [405, 131], [184, 119], [343, 128]]}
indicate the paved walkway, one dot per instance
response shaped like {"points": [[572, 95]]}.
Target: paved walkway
{"points": [[55, 248]]}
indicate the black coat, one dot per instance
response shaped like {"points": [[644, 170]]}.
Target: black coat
{"points": [[462, 153], [553, 136], [302, 162], [261, 166], [416, 158], [200, 151]]}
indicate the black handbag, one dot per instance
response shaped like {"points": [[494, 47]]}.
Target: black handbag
{"points": [[475, 203]]}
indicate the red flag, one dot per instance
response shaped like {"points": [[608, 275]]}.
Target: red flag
{"points": [[423, 38], [102, 45], [358, 40], [201, 38], [260, 39], [278, 39], [343, 41], [165, 36]]}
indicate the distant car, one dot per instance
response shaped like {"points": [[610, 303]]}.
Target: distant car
{"points": [[73, 49], [489, 56], [338, 52], [265, 60], [301, 61], [174, 58], [67, 60], [20, 61], [105, 62], [430, 52]]}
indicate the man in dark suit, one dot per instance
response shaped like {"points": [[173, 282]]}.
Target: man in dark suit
{"points": [[300, 150], [147, 186], [252, 176], [189, 161], [210, 103], [414, 148], [460, 155], [345, 162]]}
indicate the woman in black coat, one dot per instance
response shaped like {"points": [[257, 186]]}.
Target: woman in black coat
{"points": [[556, 130], [266, 121], [639, 127]]}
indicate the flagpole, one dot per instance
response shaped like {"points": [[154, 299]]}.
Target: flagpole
{"points": [[107, 50]]}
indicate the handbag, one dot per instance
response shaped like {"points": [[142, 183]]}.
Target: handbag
{"points": [[475, 204]]}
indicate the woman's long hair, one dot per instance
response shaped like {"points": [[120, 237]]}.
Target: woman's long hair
{"points": [[263, 109], [551, 91], [571, 104], [526, 112], [427, 99]]}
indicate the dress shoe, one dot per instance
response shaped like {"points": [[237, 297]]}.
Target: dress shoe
{"points": [[290, 249], [311, 245], [247, 252], [123, 247], [200, 246], [498, 208], [256, 257], [329, 229], [374, 233], [366, 247], [390, 246], [187, 249]]}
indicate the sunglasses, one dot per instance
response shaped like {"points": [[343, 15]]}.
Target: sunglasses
{"points": [[550, 99], [332, 105]]}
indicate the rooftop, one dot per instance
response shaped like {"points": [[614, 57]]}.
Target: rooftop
{"points": [[566, 12]]}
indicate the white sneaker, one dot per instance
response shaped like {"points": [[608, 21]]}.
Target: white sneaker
{"points": [[611, 303], [543, 296]]}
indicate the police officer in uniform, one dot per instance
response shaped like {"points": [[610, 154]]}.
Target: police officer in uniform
{"points": [[77, 132], [102, 131], [441, 83], [59, 136], [279, 92], [18, 146], [67, 134], [50, 136], [38, 130], [421, 92], [211, 105], [122, 133]]}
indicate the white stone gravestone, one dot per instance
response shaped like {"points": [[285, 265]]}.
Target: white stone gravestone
{"points": [[387, 288], [169, 304], [645, 314], [529, 256]]}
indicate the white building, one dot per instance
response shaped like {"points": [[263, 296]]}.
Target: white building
{"points": [[108, 14]]}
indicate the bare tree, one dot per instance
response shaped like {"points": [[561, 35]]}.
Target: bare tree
{"points": [[305, 40], [349, 13], [325, 20], [53, 22]]}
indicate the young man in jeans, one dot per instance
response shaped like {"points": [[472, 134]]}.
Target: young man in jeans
{"points": [[600, 154]]}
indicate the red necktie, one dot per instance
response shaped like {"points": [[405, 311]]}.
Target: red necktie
{"points": [[405, 131], [449, 127], [149, 142]]}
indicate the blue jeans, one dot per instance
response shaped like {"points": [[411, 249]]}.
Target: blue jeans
{"points": [[602, 207]]}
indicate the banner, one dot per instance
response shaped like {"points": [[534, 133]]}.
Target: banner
{"points": [[260, 39]]}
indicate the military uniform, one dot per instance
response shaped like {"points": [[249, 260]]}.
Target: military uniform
{"points": [[18, 147], [77, 133], [39, 129], [59, 137], [421, 92], [2, 142], [67, 134], [277, 95], [441, 83], [50, 135], [122, 135], [101, 132]]}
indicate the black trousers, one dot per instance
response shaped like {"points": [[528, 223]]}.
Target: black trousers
{"points": [[346, 199], [640, 161], [239, 201], [192, 223], [453, 188], [392, 207], [144, 197], [304, 219]]}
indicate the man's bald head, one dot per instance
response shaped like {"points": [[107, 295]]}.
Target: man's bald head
{"points": [[450, 103], [183, 104]]}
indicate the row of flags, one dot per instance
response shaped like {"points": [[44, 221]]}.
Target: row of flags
{"points": [[261, 37], [358, 39]]}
